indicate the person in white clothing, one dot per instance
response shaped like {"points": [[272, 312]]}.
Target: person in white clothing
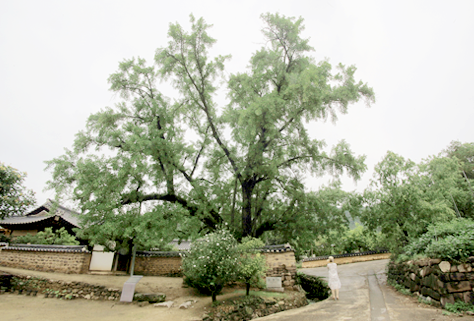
{"points": [[334, 283]]}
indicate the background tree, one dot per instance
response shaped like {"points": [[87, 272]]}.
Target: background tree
{"points": [[15, 198], [181, 153], [59, 237], [464, 152], [316, 218], [404, 197]]}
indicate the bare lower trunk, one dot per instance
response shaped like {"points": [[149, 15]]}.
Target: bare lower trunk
{"points": [[246, 210]]}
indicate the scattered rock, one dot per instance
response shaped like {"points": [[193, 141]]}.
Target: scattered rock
{"points": [[150, 297], [166, 304], [248, 310], [143, 303], [185, 305]]}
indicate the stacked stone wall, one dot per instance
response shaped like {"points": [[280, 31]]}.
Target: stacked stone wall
{"points": [[282, 264], [64, 262], [28, 285], [437, 281]]}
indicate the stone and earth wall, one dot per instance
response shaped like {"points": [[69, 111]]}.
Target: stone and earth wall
{"points": [[282, 264], [158, 263], [438, 281], [313, 262], [46, 261], [280, 260]]}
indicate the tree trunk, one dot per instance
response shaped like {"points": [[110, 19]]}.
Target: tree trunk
{"points": [[247, 287], [214, 296], [129, 256], [233, 205], [246, 209]]}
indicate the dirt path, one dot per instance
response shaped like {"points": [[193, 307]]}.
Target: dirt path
{"points": [[21, 307]]}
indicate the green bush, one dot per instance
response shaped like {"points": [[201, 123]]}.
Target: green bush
{"points": [[315, 287], [48, 237], [4, 238], [459, 306], [453, 241], [211, 263], [400, 288]]}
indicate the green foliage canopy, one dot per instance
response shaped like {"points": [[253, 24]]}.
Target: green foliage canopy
{"points": [[59, 237], [404, 197], [464, 152], [15, 199], [255, 151]]}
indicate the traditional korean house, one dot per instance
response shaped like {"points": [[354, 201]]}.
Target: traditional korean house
{"points": [[40, 218]]}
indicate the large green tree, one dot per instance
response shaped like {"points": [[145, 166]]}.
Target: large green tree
{"points": [[464, 152], [243, 162], [404, 198], [15, 198]]}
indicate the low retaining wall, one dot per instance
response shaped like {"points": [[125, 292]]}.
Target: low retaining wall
{"points": [[345, 258], [61, 289], [439, 282], [46, 258]]}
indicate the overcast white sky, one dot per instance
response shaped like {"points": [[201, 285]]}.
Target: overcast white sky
{"points": [[56, 56]]}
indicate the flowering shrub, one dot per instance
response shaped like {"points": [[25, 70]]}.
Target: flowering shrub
{"points": [[211, 263], [252, 264]]}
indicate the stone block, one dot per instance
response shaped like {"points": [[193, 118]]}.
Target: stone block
{"points": [[413, 276], [458, 276], [454, 269], [434, 261], [425, 271], [414, 287], [447, 299], [464, 268], [433, 294], [445, 266], [458, 296], [424, 291], [468, 297], [422, 262], [431, 281], [454, 287]]}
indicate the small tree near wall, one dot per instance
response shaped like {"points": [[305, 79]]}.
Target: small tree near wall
{"points": [[252, 264]]}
